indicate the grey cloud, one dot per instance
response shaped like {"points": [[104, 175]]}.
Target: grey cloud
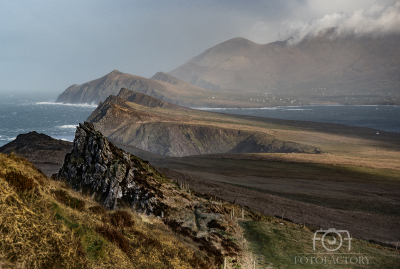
{"points": [[49, 45], [374, 20]]}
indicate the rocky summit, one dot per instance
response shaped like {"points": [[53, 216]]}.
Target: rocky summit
{"points": [[96, 167]]}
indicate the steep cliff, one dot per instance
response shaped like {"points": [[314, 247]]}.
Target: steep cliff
{"points": [[183, 132]]}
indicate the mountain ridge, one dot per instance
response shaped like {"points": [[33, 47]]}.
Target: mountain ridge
{"points": [[325, 60], [162, 86]]}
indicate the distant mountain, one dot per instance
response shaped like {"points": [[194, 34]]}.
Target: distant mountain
{"points": [[162, 86], [324, 61]]}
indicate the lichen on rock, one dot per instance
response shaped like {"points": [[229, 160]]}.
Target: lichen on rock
{"points": [[98, 168]]}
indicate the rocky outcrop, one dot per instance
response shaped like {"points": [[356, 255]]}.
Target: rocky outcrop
{"points": [[44, 152], [96, 167]]}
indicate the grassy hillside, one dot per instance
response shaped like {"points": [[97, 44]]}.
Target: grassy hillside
{"points": [[279, 244], [45, 224]]}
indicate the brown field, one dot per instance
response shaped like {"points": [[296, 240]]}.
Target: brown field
{"points": [[354, 185]]}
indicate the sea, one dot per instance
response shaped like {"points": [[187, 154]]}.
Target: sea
{"points": [[386, 118], [20, 115], [23, 114]]}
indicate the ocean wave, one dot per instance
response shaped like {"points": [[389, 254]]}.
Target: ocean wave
{"points": [[299, 109], [6, 138], [211, 108], [66, 104], [68, 126], [252, 108]]}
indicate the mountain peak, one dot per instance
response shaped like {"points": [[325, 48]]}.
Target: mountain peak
{"points": [[239, 39], [332, 60], [166, 78], [235, 43], [115, 72], [223, 51]]}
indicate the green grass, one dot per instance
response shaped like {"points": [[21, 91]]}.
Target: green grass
{"points": [[278, 246], [92, 243]]}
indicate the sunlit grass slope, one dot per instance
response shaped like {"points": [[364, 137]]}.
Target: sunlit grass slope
{"points": [[44, 224]]}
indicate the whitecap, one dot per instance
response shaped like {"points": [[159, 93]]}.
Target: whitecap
{"points": [[208, 108], [66, 104], [299, 109], [68, 126]]}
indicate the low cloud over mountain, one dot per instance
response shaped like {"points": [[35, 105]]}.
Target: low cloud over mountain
{"points": [[376, 20]]}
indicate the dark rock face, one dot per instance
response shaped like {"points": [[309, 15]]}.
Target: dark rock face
{"points": [[96, 167], [44, 152]]}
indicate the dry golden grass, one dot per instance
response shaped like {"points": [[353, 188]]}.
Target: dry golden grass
{"points": [[38, 232], [30, 236]]}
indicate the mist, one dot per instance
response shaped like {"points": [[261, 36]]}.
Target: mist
{"points": [[376, 20], [47, 46]]}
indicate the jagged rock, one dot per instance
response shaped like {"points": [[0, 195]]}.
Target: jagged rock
{"points": [[96, 167]]}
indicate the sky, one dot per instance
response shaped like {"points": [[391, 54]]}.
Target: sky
{"points": [[46, 46]]}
